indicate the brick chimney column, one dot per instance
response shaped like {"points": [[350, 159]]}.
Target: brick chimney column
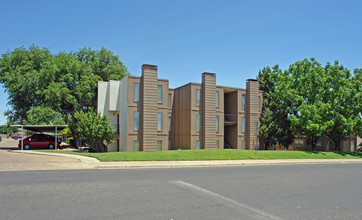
{"points": [[208, 111], [148, 116], [253, 111]]}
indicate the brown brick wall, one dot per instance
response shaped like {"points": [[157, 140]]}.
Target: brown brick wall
{"points": [[208, 111], [182, 105], [148, 117], [252, 112]]}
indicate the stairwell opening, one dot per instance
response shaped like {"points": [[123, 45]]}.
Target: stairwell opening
{"points": [[230, 119]]}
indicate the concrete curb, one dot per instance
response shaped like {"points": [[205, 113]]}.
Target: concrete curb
{"points": [[180, 164]]}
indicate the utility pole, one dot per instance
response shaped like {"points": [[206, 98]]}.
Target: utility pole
{"points": [[256, 141]]}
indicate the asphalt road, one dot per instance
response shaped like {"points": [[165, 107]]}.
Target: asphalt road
{"points": [[254, 192]]}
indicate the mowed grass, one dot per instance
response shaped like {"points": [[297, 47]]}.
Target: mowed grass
{"points": [[221, 154]]}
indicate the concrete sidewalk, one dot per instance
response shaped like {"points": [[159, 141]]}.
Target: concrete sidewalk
{"points": [[217, 163], [93, 163]]}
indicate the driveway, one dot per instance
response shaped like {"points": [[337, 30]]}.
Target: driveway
{"points": [[11, 159]]}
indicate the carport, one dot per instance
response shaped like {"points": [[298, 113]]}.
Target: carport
{"points": [[40, 129]]}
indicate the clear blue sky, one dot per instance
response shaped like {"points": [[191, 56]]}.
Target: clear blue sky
{"points": [[234, 39]]}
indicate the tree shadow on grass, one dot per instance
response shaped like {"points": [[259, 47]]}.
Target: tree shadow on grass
{"points": [[342, 153], [315, 152], [345, 153]]}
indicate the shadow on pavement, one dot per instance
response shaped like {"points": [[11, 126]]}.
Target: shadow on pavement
{"points": [[9, 144]]}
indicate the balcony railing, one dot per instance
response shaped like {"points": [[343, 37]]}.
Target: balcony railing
{"points": [[230, 119]]}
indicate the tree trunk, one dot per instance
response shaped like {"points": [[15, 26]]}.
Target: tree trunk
{"points": [[337, 146], [314, 143], [100, 147], [75, 141], [313, 146], [75, 138]]}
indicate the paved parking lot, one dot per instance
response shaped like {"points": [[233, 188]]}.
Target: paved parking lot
{"points": [[11, 159], [8, 144]]}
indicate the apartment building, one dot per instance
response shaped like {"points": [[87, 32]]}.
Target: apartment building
{"points": [[150, 116]]}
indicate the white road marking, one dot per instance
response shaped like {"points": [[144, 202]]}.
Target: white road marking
{"points": [[260, 213]]}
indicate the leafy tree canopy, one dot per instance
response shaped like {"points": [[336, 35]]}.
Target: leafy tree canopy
{"points": [[316, 101], [274, 127], [94, 129], [41, 84], [40, 115]]}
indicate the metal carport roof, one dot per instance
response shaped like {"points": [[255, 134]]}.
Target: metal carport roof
{"points": [[40, 128]]}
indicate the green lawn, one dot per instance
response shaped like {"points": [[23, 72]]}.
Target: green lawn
{"points": [[214, 155]]}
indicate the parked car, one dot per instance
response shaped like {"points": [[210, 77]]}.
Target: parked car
{"points": [[16, 136], [37, 141], [49, 137]]}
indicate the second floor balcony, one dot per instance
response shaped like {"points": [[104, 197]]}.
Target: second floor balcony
{"points": [[230, 119]]}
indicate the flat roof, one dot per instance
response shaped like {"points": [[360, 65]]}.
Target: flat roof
{"points": [[41, 128]]}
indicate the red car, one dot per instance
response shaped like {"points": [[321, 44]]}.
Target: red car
{"points": [[37, 142]]}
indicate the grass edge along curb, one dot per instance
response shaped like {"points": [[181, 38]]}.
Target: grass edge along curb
{"points": [[217, 154]]}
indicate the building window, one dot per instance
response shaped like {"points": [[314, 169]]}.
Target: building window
{"points": [[243, 125], [198, 97], [319, 144], [159, 95], [117, 128], [217, 123], [159, 122], [298, 142], [198, 146], [259, 103], [136, 92], [169, 123], [351, 146], [243, 145], [217, 99], [169, 145], [136, 121], [136, 146], [169, 100], [159, 145], [243, 101], [198, 123], [217, 144]]}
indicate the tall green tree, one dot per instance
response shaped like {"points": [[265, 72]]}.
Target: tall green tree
{"points": [[304, 81], [343, 99], [64, 82], [268, 124], [274, 127], [78, 74], [310, 100], [20, 72]]}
